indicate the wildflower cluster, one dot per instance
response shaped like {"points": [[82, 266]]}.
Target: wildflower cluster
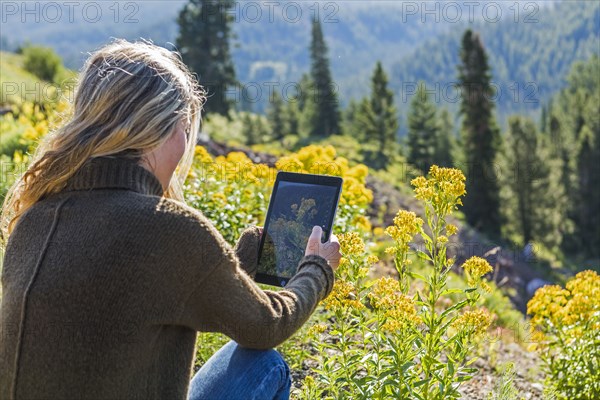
{"points": [[569, 308], [229, 190], [31, 124], [475, 268], [343, 297], [473, 322], [398, 309], [406, 226], [566, 322], [442, 190]]}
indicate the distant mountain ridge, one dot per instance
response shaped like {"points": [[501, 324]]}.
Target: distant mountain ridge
{"points": [[530, 60], [413, 43]]}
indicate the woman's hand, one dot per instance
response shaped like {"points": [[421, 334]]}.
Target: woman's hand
{"points": [[246, 249], [329, 250]]}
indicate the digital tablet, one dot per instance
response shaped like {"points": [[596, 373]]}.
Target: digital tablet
{"points": [[298, 202]]}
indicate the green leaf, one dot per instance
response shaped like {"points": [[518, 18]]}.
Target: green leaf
{"points": [[416, 275], [451, 291], [421, 382], [422, 255], [455, 307], [469, 370]]}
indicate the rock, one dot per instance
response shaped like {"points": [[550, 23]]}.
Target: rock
{"points": [[534, 285]]}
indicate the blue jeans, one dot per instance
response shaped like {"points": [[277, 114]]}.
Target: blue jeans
{"points": [[234, 372]]}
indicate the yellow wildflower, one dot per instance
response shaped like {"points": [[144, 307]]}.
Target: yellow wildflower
{"points": [[219, 197], [487, 288], [391, 250], [442, 190], [351, 244], [317, 329], [398, 309], [378, 231], [476, 267], [537, 340], [547, 303], [342, 297], [587, 283], [406, 226], [372, 259], [451, 229], [473, 322], [553, 306], [202, 154]]}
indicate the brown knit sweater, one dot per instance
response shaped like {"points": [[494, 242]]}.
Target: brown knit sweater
{"points": [[106, 284]]}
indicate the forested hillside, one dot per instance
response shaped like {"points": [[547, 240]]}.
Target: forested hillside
{"points": [[531, 47], [530, 58]]}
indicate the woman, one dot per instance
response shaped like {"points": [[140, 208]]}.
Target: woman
{"points": [[108, 275]]}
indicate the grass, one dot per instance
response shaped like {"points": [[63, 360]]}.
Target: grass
{"points": [[16, 82], [19, 85]]}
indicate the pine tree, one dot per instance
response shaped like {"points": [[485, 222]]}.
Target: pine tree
{"points": [[349, 120], [292, 116], [574, 128], [445, 144], [325, 114], [305, 88], [585, 87], [277, 118], [481, 137], [423, 131], [532, 197], [203, 40], [377, 120], [249, 131], [255, 128]]}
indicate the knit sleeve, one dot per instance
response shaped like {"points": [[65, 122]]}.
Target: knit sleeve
{"points": [[227, 300]]}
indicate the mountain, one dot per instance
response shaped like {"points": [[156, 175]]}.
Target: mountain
{"points": [[531, 44], [530, 59]]}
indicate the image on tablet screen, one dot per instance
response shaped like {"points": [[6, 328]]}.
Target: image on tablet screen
{"points": [[297, 208]]}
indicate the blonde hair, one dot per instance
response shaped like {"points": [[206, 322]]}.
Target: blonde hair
{"points": [[128, 99]]}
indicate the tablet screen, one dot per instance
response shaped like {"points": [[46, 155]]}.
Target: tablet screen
{"points": [[295, 209]]}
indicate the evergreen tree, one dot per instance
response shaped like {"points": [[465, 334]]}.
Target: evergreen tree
{"points": [[292, 117], [377, 120], [574, 128], [255, 128], [349, 120], [305, 88], [203, 41], [248, 130], [325, 114], [585, 88], [277, 118], [444, 144], [481, 137], [532, 197], [423, 131]]}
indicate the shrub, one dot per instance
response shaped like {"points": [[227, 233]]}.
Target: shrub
{"points": [[567, 322], [43, 62]]}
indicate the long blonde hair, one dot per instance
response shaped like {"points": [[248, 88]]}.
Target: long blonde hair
{"points": [[128, 99]]}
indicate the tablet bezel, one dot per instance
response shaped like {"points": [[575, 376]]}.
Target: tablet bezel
{"points": [[295, 177]]}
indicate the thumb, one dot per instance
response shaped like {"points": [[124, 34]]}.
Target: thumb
{"points": [[314, 240]]}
